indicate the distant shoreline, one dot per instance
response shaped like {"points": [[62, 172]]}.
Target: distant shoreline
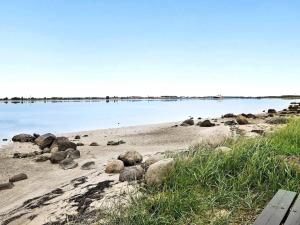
{"points": [[108, 98]]}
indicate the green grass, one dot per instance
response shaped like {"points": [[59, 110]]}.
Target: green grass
{"points": [[213, 188]]}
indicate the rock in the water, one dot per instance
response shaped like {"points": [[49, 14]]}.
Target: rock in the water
{"points": [[114, 166], [115, 142], [63, 143], [43, 158], [151, 160], [18, 177], [230, 123], [271, 111], [94, 144], [241, 120], [56, 157], [158, 171], [206, 123], [223, 149], [131, 174], [23, 138], [68, 163], [45, 140], [188, 122], [73, 153], [88, 165], [277, 120], [77, 137], [131, 158], [5, 186]]}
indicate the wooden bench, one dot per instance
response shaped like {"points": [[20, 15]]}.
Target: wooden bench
{"points": [[283, 209]]}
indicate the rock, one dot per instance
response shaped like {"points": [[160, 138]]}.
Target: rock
{"points": [[229, 115], [158, 171], [36, 135], [206, 123], [85, 135], [151, 160], [19, 155], [115, 142], [53, 150], [114, 166], [250, 116], [230, 123], [45, 140], [131, 174], [46, 150], [73, 153], [88, 165], [68, 163], [277, 120], [23, 138], [258, 131], [131, 158], [18, 177], [94, 144], [43, 158], [63, 143], [77, 137], [4, 139], [58, 156], [241, 120], [223, 149], [5, 186], [271, 111], [188, 122], [80, 144]]}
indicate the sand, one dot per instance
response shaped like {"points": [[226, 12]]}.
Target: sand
{"points": [[44, 177]]}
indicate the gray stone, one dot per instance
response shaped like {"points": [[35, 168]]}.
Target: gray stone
{"points": [[241, 120], [188, 122], [56, 157], [23, 138], [277, 120], [18, 177], [63, 143], [158, 171], [73, 153], [206, 123], [88, 165], [68, 163], [45, 140], [131, 174], [43, 158], [131, 158], [5, 186], [94, 144], [114, 166]]}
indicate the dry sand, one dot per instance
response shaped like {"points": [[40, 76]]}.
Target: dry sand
{"points": [[42, 205]]}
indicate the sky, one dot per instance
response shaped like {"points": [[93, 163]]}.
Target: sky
{"points": [[149, 47]]}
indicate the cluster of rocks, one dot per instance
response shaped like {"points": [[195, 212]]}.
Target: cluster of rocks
{"points": [[131, 167], [12, 180], [59, 150], [191, 122]]}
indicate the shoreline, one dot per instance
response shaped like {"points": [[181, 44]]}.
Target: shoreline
{"points": [[51, 193]]}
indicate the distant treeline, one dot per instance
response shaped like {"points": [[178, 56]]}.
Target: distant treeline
{"points": [[32, 99]]}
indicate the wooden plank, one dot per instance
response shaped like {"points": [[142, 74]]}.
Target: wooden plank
{"points": [[294, 216], [276, 210]]}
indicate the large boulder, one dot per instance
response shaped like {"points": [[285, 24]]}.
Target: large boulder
{"points": [[18, 177], [5, 186], [68, 163], [63, 143], [114, 166], [45, 140], [206, 123], [73, 153], [132, 173], [241, 120], [56, 157], [158, 171], [131, 158], [23, 138]]}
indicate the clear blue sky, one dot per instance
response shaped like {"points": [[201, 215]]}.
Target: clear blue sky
{"points": [[149, 47]]}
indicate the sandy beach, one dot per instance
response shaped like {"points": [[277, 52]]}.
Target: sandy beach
{"points": [[50, 193]]}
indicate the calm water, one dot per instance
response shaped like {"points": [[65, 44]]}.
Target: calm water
{"points": [[61, 117]]}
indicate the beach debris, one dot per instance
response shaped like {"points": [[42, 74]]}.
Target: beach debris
{"points": [[23, 138], [77, 137], [18, 177], [132, 173], [94, 144], [43, 158], [5, 186], [131, 158], [68, 163], [241, 120], [188, 122], [158, 171], [88, 165], [114, 166], [277, 120], [223, 149], [45, 140], [73, 153], [63, 143], [271, 111], [206, 123], [113, 143], [56, 157]]}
